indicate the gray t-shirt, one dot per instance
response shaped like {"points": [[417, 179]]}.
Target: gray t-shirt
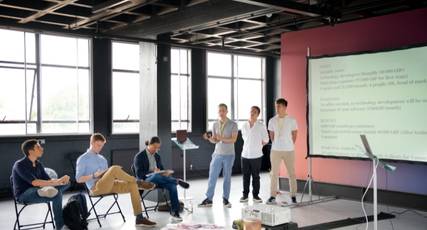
{"points": [[229, 128], [152, 161]]}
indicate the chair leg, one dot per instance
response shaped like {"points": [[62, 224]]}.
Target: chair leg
{"points": [[94, 210], [17, 216], [47, 214], [51, 216], [16, 223], [116, 197], [145, 208], [45, 219], [158, 203], [109, 209], [143, 202], [165, 197]]}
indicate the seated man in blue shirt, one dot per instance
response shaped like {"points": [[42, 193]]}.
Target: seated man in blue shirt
{"points": [[31, 184], [92, 169], [147, 163]]}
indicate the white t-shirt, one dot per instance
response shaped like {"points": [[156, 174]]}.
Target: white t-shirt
{"points": [[253, 138], [282, 128]]}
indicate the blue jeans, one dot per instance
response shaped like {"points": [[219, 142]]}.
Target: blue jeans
{"points": [[169, 183], [30, 196], [218, 162]]}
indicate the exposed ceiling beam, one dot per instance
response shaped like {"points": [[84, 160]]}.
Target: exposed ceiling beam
{"points": [[286, 6], [48, 10], [74, 3], [35, 10], [273, 26], [107, 5], [224, 21], [107, 14], [41, 21], [140, 18], [195, 2]]}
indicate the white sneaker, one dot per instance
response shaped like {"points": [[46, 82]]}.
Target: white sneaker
{"points": [[48, 191], [175, 218]]}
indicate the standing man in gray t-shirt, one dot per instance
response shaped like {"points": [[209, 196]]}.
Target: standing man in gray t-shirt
{"points": [[224, 135]]}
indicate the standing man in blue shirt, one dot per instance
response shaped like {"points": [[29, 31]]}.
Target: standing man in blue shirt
{"points": [[224, 135], [92, 169], [31, 184]]}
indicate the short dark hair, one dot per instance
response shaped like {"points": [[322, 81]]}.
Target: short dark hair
{"points": [[282, 101], [153, 140], [223, 105], [28, 145], [97, 137], [256, 108]]}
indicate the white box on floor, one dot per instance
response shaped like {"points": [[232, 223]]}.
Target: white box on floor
{"points": [[270, 215]]}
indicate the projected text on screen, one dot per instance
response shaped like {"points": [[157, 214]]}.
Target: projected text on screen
{"points": [[382, 95]]}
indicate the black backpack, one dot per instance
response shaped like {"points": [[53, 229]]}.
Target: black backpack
{"points": [[75, 212]]}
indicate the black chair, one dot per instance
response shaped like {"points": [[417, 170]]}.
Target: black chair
{"points": [[145, 193], [95, 199], [19, 207]]}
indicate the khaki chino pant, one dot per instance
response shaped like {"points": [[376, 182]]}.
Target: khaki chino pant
{"points": [[288, 158], [115, 180]]}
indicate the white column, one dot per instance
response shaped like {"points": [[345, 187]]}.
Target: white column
{"points": [[148, 92]]}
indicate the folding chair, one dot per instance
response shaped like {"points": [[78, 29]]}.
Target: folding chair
{"points": [[145, 193], [95, 199], [19, 207]]}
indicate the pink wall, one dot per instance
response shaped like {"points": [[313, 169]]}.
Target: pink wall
{"points": [[385, 32]]}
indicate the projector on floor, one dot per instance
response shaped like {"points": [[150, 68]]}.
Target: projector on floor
{"points": [[270, 215]]}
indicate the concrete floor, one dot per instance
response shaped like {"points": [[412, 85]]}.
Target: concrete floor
{"points": [[304, 216]]}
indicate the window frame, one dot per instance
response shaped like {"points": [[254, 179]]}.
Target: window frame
{"points": [[36, 66], [112, 94], [233, 112], [179, 75]]}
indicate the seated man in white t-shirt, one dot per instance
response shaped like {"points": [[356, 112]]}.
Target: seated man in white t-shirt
{"points": [[255, 136], [283, 133]]}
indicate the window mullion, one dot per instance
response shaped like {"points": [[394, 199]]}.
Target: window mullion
{"points": [[233, 114], [25, 84], [38, 77]]}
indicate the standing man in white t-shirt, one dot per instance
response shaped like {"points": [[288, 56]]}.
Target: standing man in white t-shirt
{"points": [[255, 136], [283, 133]]}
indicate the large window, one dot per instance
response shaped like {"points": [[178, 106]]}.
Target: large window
{"points": [[180, 89], [65, 84], [237, 81], [125, 87], [45, 84]]}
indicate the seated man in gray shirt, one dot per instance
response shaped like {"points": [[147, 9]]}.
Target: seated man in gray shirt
{"points": [[224, 135]]}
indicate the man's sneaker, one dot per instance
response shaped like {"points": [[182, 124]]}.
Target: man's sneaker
{"points": [[271, 200], [144, 185], [294, 200], [206, 203], [257, 199], [226, 203], [142, 221], [244, 199], [183, 184], [175, 218], [48, 191]]}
